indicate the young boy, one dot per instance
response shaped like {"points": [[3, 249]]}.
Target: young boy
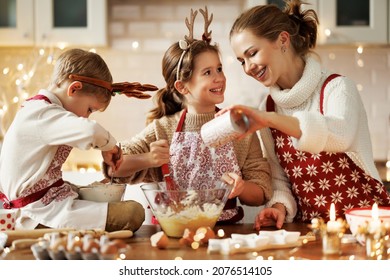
{"points": [[43, 133]]}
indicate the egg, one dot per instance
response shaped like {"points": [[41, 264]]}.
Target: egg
{"points": [[58, 244], [203, 234], [159, 240], [74, 244], [109, 249], [90, 245], [187, 238]]}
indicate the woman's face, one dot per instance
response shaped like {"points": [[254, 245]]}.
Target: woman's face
{"points": [[260, 58], [207, 85]]}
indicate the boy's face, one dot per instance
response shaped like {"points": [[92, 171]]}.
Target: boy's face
{"points": [[84, 105]]}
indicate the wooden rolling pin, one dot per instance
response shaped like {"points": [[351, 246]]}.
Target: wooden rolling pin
{"points": [[30, 233], [38, 233]]}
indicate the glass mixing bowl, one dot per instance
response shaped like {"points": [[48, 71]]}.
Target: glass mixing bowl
{"points": [[177, 210]]}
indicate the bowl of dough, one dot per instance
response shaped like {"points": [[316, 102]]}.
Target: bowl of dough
{"points": [[178, 210], [102, 192]]}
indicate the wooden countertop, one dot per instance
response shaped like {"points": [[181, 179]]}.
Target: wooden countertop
{"points": [[141, 248], [312, 250]]}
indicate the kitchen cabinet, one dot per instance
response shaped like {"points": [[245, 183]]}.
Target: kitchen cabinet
{"points": [[16, 22], [311, 4], [353, 21], [53, 22], [346, 22]]}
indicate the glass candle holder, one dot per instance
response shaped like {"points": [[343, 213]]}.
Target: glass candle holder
{"points": [[331, 243], [375, 247]]}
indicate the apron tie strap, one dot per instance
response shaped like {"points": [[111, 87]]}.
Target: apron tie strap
{"points": [[23, 201], [39, 97]]}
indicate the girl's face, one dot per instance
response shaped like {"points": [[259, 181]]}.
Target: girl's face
{"points": [[260, 58], [207, 85]]}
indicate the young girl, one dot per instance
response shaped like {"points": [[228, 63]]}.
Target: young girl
{"points": [[195, 83], [41, 137], [313, 124]]}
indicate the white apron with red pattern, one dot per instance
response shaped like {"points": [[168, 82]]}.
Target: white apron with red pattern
{"points": [[321, 179], [193, 164], [59, 208], [53, 174]]}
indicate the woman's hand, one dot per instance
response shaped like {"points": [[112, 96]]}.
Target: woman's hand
{"points": [[260, 119], [235, 180], [273, 216], [257, 119]]}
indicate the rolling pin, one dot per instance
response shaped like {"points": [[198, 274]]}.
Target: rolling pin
{"points": [[30, 233]]}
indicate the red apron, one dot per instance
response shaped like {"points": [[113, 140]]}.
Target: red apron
{"points": [[49, 187], [192, 163], [318, 180]]}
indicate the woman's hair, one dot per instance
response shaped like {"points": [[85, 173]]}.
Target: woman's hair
{"points": [[168, 100], [83, 63], [268, 21]]}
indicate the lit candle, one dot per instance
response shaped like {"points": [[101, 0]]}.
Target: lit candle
{"points": [[375, 241], [331, 239], [388, 171], [375, 223], [333, 225]]}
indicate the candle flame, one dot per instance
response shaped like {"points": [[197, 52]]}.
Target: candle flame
{"points": [[332, 213], [375, 212]]}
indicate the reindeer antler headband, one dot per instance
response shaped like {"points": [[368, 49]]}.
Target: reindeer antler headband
{"points": [[185, 45], [129, 89]]}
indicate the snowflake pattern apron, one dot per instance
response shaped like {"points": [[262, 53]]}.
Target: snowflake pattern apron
{"points": [[51, 186], [321, 179], [194, 164], [55, 192]]}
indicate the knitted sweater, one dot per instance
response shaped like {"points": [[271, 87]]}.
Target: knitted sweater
{"points": [[253, 165], [343, 126]]}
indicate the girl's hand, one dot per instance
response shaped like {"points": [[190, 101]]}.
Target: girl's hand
{"points": [[235, 180], [273, 216], [159, 153]]}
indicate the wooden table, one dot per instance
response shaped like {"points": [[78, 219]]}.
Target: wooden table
{"points": [[312, 250], [141, 248]]}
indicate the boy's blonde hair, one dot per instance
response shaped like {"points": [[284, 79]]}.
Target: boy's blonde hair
{"points": [[84, 63]]}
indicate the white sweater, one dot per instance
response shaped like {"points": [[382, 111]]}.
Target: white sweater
{"points": [[342, 128]]}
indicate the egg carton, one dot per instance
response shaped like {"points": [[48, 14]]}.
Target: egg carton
{"points": [[87, 248]]}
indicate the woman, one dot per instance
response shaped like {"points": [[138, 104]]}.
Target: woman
{"points": [[316, 138]]}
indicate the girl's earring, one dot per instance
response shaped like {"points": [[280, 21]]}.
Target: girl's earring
{"points": [[283, 49]]}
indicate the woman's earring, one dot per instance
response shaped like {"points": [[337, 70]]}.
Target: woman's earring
{"points": [[283, 49]]}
